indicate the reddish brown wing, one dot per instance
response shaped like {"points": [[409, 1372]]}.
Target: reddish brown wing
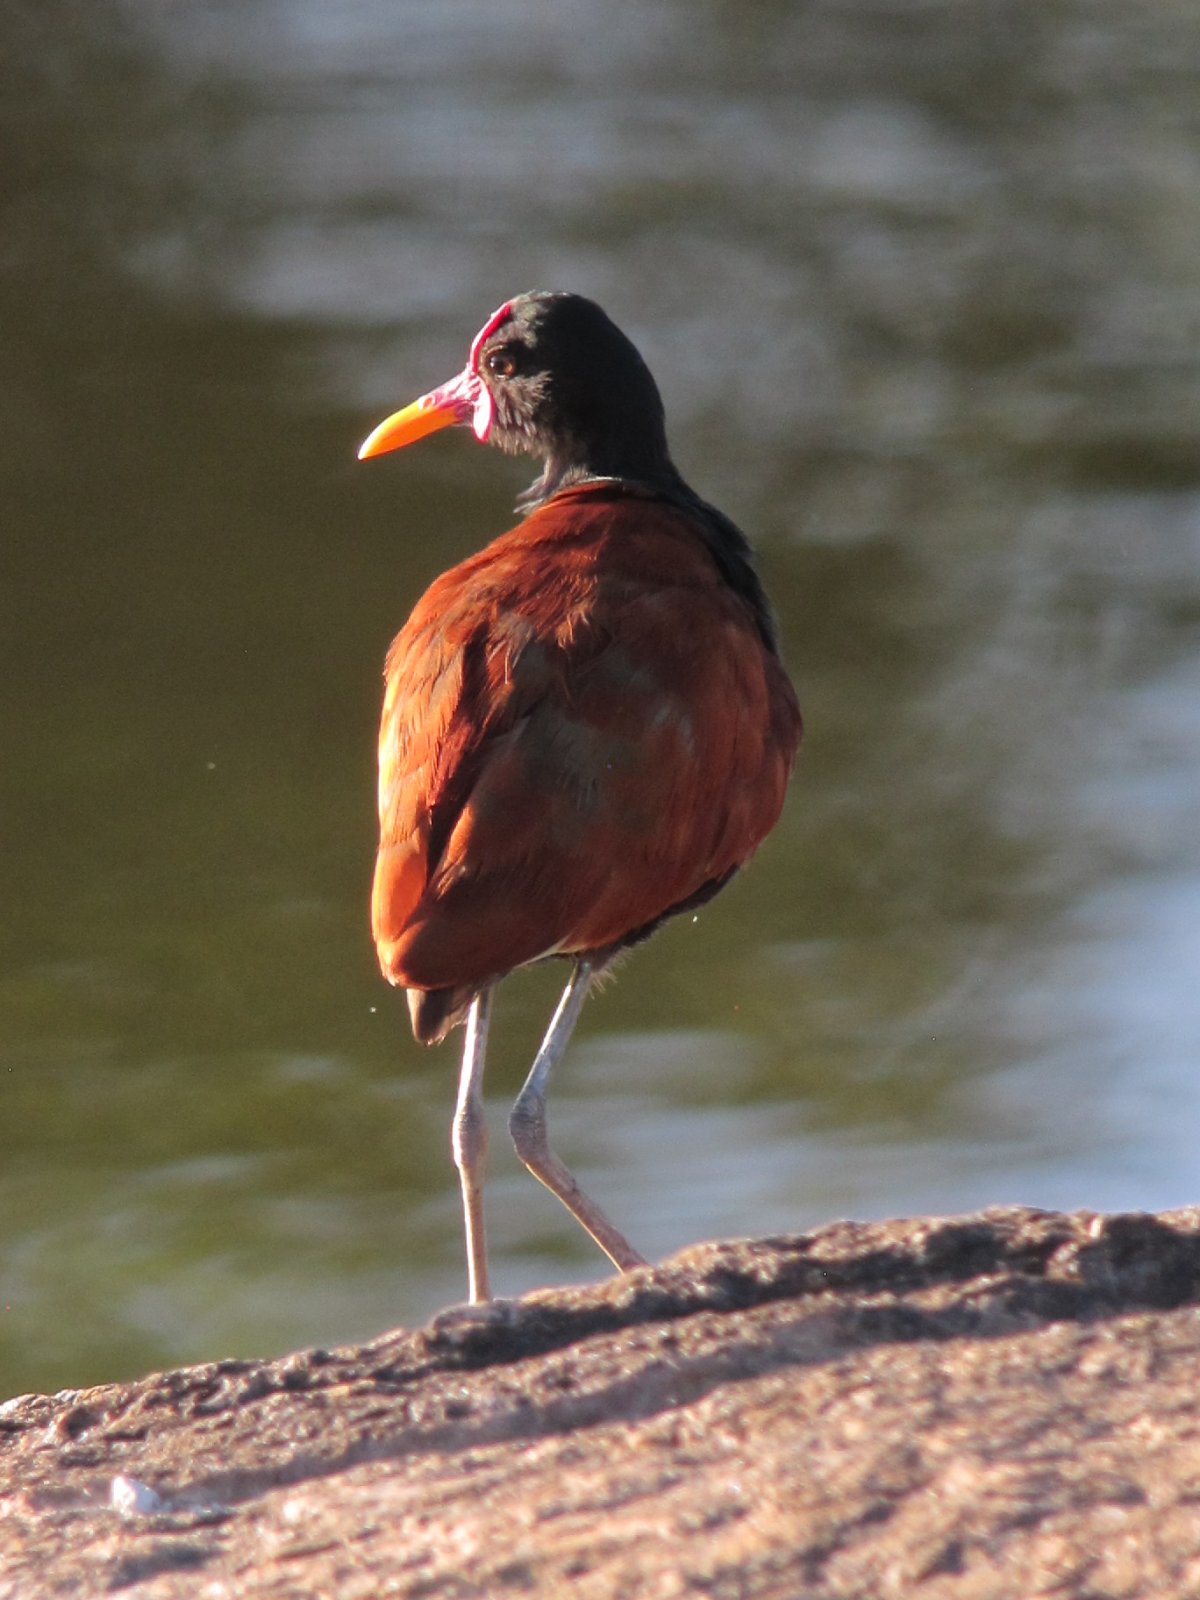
{"points": [[581, 730]]}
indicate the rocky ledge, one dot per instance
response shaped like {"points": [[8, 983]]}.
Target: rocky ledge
{"points": [[1005, 1404]]}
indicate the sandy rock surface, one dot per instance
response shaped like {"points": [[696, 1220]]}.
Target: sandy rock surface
{"points": [[999, 1405]]}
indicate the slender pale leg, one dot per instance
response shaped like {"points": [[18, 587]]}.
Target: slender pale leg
{"points": [[527, 1124], [469, 1141]]}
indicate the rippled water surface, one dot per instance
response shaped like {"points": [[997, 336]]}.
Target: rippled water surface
{"points": [[922, 289]]}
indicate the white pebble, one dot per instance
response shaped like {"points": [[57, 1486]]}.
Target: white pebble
{"points": [[129, 1498]]}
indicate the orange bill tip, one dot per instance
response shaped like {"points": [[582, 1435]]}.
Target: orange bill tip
{"points": [[415, 421], [464, 399]]}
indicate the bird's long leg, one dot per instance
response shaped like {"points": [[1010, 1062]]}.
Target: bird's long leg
{"points": [[469, 1141], [527, 1124]]}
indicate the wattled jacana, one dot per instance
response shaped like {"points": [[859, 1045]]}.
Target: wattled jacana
{"points": [[586, 727]]}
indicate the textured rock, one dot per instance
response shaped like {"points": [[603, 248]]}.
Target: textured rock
{"points": [[1005, 1404]]}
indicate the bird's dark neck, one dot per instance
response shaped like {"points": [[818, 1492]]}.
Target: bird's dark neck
{"points": [[726, 543], [571, 462]]}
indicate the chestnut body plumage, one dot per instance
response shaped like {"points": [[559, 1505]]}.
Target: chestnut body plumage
{"points": [[586, 729]]}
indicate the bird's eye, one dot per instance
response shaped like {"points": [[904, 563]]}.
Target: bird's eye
{"points": [[501, 363]]}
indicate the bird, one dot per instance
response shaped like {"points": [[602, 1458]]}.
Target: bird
{"points": [[587, 726]]}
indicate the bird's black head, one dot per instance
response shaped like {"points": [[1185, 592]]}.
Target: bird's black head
{"points": [[551, 375], [567, 385]]}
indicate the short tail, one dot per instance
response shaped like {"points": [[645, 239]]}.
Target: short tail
{"points": [[435, 1011]]}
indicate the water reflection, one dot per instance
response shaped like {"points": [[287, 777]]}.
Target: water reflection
{"points": [[924, 301]]}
